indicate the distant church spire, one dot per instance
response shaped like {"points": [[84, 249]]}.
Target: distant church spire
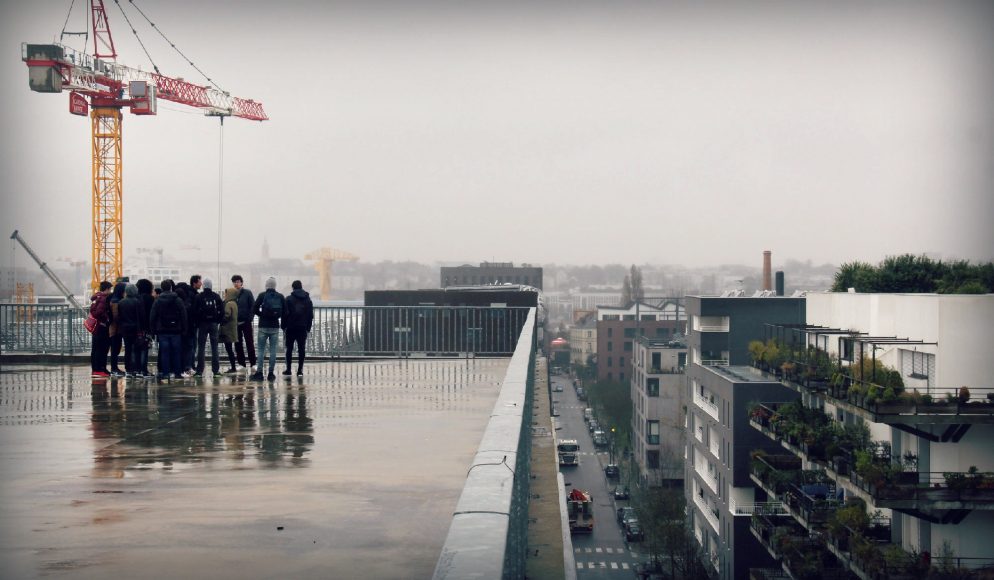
{"points": [[265, 249]]}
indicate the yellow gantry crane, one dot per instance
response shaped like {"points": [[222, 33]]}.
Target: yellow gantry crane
{"points": [[100, 87], [324, 258]]}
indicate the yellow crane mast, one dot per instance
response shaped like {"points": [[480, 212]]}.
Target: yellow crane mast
{"points": [[324, 258]]}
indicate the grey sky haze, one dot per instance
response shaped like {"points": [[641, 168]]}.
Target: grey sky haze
{"points": [[533, 131]]}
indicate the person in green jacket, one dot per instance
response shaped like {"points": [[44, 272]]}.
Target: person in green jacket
{"points": [[228, 332]]}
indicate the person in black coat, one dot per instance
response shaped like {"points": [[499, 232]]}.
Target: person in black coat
{"points": [[169, 323], [296, 324], [130, 324], [142, 345]]}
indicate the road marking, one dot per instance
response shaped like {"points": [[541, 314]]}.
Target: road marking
{"points": [[577, 550], [579, 565], [603, 564], [590, 565], [609, 550], [588, 550], [624, 565], [614, 565], [598, 550]]}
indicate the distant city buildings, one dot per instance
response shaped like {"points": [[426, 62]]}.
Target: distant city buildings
{"points": [[490, 273], [658, 391], [583, 340], [618, 327]]}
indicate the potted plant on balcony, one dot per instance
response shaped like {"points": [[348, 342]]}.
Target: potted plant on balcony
{"points": [[964, 395], [757, 351]]}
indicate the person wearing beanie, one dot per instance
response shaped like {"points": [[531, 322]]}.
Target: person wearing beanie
{"points": [[296, 325], [244, 301], [131, 323], [270, 307], [208, 311]]}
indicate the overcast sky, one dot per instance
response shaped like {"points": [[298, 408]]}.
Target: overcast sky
{"points": [[572, 132]]}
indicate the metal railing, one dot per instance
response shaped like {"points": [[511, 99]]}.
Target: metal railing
{"points": [[707, 511], [336, 330], [773, 508], [706, 405]]}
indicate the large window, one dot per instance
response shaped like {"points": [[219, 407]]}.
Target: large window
{"points": [[628, 346], [652, 459], [629, 333], [610, 346], [652, 432], [652, 387]]}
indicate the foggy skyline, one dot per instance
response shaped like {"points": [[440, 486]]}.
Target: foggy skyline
{"points": [[531, 132]]}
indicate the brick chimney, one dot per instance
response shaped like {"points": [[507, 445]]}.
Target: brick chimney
{"points": [[767, 270]]}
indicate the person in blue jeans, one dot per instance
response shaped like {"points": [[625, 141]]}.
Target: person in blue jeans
{"points": [[270, 307], [168, 321]]}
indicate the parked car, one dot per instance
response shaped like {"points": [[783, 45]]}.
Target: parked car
{"points": [[600, 439], [612, 470], [620, 491], [633, 532], [626, 514], [555, 410], [558, 388], [580, 394]]}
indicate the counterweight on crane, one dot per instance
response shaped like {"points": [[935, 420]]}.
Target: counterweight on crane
{"points": [[108, 87]]}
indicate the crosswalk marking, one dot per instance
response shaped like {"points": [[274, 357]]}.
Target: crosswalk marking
{"points": [[598, 550], [590, 565], [624, 565], [603, 564], [577, 550], [609, 550], [579, 565], [588, 550], [614, 565]]}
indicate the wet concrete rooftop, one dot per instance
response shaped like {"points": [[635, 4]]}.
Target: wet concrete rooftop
{"points": [[351, 472]]}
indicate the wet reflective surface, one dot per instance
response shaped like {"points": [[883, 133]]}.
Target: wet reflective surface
{"points": [[352, 471]]}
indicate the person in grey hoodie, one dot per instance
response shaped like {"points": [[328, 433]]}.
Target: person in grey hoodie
{"points": [[270, 307], [296, 325]]}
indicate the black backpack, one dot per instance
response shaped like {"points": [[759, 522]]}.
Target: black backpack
{"points": [[169, 317], [272, 305], [298, 310], [212, 309]]}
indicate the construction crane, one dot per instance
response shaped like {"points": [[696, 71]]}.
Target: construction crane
{"points": [[98, 81], [48, 271], [324, 258]]}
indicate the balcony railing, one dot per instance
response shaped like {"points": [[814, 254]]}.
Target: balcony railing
{"points": [[713, 327], [773, 508], [714, 362], [707, 511], [715, 447], [706, 405]]}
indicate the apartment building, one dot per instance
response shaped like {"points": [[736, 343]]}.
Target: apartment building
{"points": [[721, 498], [583, 340], [895, 427], [659, 394], [618, 327]]}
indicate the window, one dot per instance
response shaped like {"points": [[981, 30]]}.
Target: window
{"points": [[610, 346], [610, 361], [681, 359], [610, 332], [629, 333], [611, 317], [628, 317], [662, 332], [846, 350], [652, 387], [610, 376], [919, 364], [652, 459], [628, 346], [621, 376], [657, 360], [621, 361], [652, 432], [651, 317]]}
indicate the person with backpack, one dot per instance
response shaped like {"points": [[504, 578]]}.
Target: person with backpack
{"points": [[296, 325], [143, 342], [270, 307], [208, 311], [228, 331], [116, 340], [130, 323], [100, 310], [168, 322], [245, 302]]}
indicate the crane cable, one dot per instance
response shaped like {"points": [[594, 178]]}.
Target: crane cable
{"points": [[132, 26], [86, 26], [190, 62], [220, 195]]}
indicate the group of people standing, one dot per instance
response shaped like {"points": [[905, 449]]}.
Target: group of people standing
{"points": [[185, 318]]}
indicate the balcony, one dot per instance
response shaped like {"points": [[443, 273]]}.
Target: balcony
{"points": [[709, 513], [714, 362], [711, 323], [706, 404], [707, 475], [802, 556], [714, 446]]}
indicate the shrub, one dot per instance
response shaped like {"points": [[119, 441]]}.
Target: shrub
{"points": [[964, 394]]}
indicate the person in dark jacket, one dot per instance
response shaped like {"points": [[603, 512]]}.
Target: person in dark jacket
{"points": [[270, 307], [168, 322], [143, 344], [130, 323], [245, 301], [296, 324], [100, 309], [228, 331], [188, 340], [208, 310], [116, 340]]}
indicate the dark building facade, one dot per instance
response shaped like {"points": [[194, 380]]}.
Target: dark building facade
{"points": [[722, 385], [445, 322], [619, 326], [490, 273]]}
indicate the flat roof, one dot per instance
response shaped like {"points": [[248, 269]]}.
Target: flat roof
{"points": [[744, 374], [352, 471]]}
